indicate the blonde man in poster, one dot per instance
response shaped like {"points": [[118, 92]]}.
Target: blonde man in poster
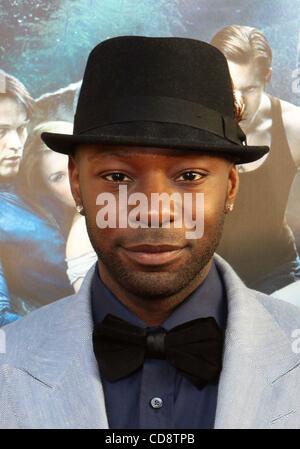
{"points": [[267, 258]]}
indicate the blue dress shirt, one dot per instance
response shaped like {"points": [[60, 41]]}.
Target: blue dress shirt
{"points": [[158, 396]]}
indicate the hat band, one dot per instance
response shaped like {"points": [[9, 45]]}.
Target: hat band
{"points": [[163, 110]]}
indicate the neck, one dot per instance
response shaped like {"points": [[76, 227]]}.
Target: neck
{"points": [[154, 312], [262, 114], [7, 183]]}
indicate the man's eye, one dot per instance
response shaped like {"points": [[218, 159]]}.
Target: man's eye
{"points": [[252, 89], [3, 131], [190, 176], [117, 177]]}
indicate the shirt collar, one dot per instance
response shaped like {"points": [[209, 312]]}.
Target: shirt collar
{"points": [[209, 299]]}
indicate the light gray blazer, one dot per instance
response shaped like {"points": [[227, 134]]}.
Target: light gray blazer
{"points": [[49, 376]]}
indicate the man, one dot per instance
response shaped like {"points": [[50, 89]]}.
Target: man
{"points": [[25, 282], [141, 345], [15, 112], [257, 240]]}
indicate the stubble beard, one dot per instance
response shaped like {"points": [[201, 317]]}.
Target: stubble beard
{"points": [[157, 284]]}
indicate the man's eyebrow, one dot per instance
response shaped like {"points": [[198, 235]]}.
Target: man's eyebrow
{"points": [[7, 125]]}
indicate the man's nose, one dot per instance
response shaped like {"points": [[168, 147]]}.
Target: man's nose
{"points": [[13, 141], [240, 95], [162, 207]]}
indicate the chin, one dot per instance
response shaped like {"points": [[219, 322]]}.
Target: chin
{"points": [[154, 285], [8, 175]]}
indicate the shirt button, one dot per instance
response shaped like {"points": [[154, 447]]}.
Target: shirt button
{"points": [[156, 403]]}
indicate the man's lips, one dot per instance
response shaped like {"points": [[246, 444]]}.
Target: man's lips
{"points": [[12, 159], [153, 248], [153, 254]]}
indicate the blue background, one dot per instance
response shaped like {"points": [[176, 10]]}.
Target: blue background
{"points": [[46, 43]]}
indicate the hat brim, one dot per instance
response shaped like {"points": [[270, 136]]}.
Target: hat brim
{"points": [[156, 135]]}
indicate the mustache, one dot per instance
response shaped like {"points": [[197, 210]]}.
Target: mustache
{"points": [[150, 236]]}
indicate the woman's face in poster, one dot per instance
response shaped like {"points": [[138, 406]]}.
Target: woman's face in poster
{"points": [[248, 82], [54, 171]]}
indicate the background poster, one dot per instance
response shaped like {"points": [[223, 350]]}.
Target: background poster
{"points": [[44, 45]]}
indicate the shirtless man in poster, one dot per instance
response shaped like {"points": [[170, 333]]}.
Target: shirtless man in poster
{"points": [[267, 260]]}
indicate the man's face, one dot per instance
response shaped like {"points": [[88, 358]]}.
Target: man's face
{"points": [[98, 169], [248, 83], [13, 134]]}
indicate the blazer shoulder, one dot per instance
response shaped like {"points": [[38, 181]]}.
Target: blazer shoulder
{"points": [[286, 315], [49, 328], [23, 334]]}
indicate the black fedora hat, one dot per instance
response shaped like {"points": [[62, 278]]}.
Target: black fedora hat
{"points": [[163, 92]]}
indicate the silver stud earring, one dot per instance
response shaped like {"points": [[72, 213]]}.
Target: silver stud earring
{"points": [[79, 208], [229, 207]]}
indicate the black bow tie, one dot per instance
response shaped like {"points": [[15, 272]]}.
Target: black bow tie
{"points": [[194, 348]]}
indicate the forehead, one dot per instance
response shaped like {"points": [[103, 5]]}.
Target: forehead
{"points": [[11, 110], [54, 161], [245, 75]]}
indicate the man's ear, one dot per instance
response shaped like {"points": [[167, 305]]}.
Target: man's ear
{"points": [[74, 179], [268, 75], [233, 184]]}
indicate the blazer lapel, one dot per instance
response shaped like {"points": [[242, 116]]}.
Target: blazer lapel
{"points": [[258, 383]]}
